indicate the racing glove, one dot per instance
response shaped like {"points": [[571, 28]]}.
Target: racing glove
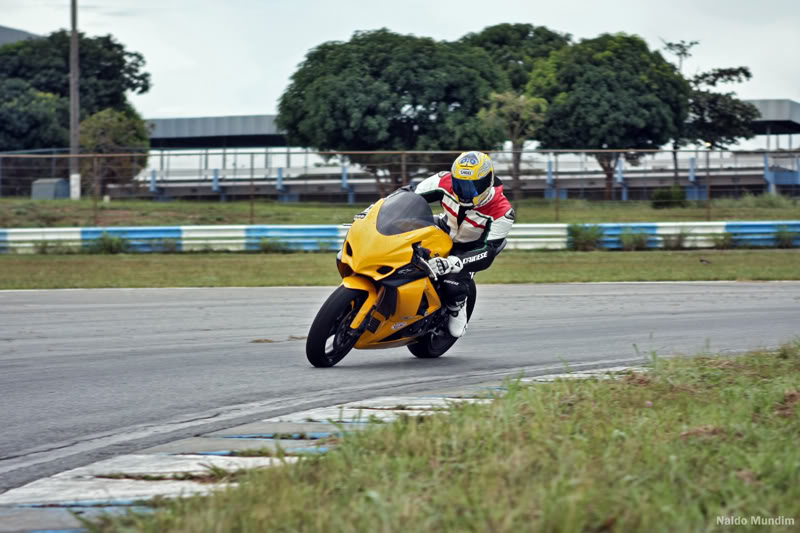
{"points": [[446, 265]]}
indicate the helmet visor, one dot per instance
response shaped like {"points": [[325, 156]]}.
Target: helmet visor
{"points": [[467, 190]]}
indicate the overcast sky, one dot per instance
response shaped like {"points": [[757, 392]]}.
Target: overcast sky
{"points": [[236, 56]]}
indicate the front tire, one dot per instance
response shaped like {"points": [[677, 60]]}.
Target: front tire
{"points": [[431, 345], [331, 338]]}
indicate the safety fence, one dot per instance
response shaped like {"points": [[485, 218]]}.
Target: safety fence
{"points": [[277, 238], [291, 175]]}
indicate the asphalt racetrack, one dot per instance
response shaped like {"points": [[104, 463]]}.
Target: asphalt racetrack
{"points": [[88, 374]]}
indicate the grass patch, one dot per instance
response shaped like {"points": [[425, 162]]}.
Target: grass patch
{"points": [[302, 269], [672, 450], [26, 213]]}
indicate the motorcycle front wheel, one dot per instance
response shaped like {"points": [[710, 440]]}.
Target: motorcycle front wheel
{"points": [[331, 338]]}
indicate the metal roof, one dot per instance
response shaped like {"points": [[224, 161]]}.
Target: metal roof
{"points": [[243, 131], [214, 126], [253, 131], [11, 35], [777, 116]]}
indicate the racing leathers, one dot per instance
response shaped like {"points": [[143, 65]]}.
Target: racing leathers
{"points": [[477, 233]]}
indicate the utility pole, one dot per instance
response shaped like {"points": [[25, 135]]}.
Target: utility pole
{"points": [[74, 104]]}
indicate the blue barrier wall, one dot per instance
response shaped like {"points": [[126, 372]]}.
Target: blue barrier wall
{"points": [[612, 234], [139, 239], [761, 233], [330, 237], [307, 238]]}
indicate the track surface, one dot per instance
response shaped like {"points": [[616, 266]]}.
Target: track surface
{"points": [[86, 374]]}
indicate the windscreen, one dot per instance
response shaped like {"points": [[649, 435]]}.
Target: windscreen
{"points": [[402, 212]]}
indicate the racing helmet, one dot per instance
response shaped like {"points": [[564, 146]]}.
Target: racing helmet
{"points": [[473, 178]]}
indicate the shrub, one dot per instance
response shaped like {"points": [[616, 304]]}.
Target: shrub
{"points": [[676, 241], [51, 248], [668, 198], [723, 241], [785, 238], [165, 246], [633, 240], [273, 246], [585, 237], [109, 244], [761, 201]]}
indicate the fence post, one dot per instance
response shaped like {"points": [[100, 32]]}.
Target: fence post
{"points": [[1, 177], [403, 161], [621, 180], [252, 190], [153, 188], [94, 190], [708, 184], [769, 176], [351, 195], [214, 180], [557, 192]]}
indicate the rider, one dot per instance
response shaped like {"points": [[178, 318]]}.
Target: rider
{"points": [[478, 217]]}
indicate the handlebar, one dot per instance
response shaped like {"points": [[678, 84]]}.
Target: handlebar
{"points": [[421, 256]]}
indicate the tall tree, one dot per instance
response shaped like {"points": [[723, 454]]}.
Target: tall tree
{"points": [[715, 119], [108, 70], [514, 48], [610, 92], [31, 119], [385, 91], [519, 116], [683, 51], [113, 132]]}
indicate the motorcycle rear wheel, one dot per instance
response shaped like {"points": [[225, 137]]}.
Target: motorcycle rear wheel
{"points": [[330, 338], [431, 345]]}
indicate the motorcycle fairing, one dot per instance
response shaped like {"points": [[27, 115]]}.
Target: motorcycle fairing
{"points": [[379, 263]]}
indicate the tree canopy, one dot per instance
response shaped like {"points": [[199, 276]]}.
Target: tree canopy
{"points": [[609, 92], [29, 118], [514, 48], [111, 131], [718, 119], [385, 91], [520, 117], [107, 69]]}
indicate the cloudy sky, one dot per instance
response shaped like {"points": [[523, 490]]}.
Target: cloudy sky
{"points": [[236, 56]]}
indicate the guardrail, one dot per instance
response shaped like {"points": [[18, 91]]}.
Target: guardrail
{"points": [[242, 238]]}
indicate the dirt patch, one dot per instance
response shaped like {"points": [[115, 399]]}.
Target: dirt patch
{"points": [[703, 431], [786, 407], [748, 476], [637, 379]]}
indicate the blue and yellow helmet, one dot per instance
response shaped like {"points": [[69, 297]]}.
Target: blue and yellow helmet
{"points": [[473, 178]]}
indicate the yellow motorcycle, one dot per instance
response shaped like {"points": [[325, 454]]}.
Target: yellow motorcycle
{"points": [[389, 295]]}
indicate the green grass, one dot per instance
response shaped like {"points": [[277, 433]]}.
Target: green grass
{"points": [[23, 213], [671, 450], [22, 271]]}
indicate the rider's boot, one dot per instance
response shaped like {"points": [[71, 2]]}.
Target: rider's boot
{"points": [[457, 323]]}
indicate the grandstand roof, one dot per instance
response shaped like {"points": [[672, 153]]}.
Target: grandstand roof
{"points": [[777, 116], [11, 35], [245, 131]]}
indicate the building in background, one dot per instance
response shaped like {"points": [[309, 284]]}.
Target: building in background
{"points": [[11, 35]]}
